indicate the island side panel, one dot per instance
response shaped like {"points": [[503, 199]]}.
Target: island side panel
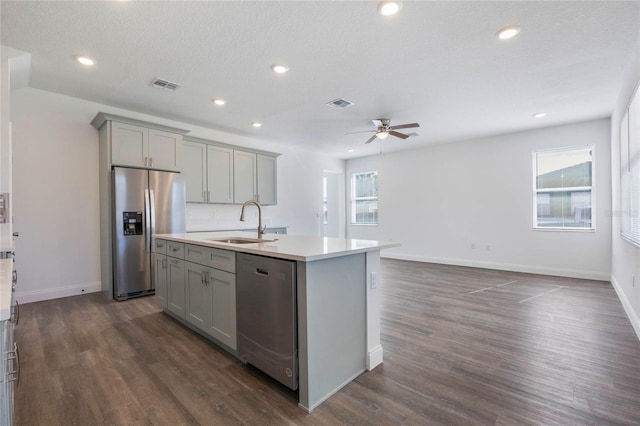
{"points": [[374, 348], [332, 346]]}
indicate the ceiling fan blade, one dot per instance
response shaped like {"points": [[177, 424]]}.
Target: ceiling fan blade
{"points": [[362, 131], [371, 139], [404, 126], [398, 134]]}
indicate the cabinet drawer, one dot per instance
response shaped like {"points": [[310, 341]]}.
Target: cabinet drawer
{"points": [[160, 246], [175, 249], [224, 260]]}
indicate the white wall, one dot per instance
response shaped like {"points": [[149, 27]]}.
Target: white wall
{"points": [[440, 200], [55, 182], [625, 260]]}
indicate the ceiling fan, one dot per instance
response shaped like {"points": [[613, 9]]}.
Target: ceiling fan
{"points": [[383, 129]]}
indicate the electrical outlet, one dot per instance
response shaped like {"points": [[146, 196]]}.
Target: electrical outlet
{"points": [[373, 282]]}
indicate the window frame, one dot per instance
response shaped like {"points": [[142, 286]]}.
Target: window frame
{"points": [[629, 169], [355, 199], [536, 191]]}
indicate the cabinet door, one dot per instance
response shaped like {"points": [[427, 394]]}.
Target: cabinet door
{"points": [[220, 174], [198, 303], [195, 171], [244, 176], [129, 145], [223, 315], [267, 179], [165, 150], [160, 279], [176, 292]]}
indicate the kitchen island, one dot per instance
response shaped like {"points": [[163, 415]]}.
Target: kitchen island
{"points": [[337, 299]]}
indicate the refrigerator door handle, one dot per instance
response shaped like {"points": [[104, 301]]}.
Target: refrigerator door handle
{"points": [[147, 219], [152, 204]]}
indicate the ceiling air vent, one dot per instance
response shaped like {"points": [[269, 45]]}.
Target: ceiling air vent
{"points": [[158, 83], [340, 103]]}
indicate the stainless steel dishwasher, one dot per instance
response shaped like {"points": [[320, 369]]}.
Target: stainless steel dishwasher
{"points": [[267, 316]]}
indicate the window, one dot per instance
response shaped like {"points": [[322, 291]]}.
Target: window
{"points": [[364, 198], [563, 189], [630, 171]]}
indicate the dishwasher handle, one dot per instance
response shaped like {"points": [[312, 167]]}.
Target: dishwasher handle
{"points": [[263, 272]]}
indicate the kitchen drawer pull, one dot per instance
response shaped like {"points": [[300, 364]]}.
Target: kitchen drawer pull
{"points": [[16, 314], [260, 271], [174, 261], [14, 376]]}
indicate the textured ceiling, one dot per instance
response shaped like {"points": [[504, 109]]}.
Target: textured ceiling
{"points": [[437, 63]]}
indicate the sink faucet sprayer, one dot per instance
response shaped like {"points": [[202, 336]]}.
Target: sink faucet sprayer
{"points": [[260, 227]]}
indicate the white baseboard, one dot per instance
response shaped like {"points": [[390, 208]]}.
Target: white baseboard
{"points": [[55, 293], [374, 357], [626, 304], [529, 269]]}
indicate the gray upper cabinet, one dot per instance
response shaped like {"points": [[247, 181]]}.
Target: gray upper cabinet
{"points": [[135, 143], [244, 176], [218, 173], [195, 171], [267, 179], [220, 176], [255, 177]]}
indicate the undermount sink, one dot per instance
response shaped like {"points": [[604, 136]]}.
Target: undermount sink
{"points": [[240, 240]]}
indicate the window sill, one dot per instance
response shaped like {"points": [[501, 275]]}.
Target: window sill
{"points": [[364, 224], [550, 229]]}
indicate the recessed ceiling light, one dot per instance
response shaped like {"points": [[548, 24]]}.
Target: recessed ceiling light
{"points": [[508, 32], [218, 101], [85, 60], [256, 124], [279, 68], [539, 114], [388, 8], [350, 150]]}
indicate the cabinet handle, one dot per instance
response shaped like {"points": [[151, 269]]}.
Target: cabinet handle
{"points": [[208, 196], [14, 376], [150, 161], [206, 278], [14, 281], [145, 162], [175, 262], [204, 196]]}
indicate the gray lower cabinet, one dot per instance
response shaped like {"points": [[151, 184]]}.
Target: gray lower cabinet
{"points": [[198, 284], [211, 292], [160, 279], [9, 368], [176, 286]]}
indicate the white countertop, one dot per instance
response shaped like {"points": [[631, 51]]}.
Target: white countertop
{"points": [[6, 269], [292, 247], [218, 228]]}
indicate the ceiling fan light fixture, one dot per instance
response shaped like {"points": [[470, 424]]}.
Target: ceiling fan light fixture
{"points": [[256, 124], [218, 101], [508, 32], [539, 114], [389, 8], [382, 134]]}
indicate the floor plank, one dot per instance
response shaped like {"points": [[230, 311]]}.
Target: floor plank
{"points": [[462, 346]]}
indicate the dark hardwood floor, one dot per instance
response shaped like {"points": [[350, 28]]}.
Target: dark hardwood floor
{"points": [[462, 346]]}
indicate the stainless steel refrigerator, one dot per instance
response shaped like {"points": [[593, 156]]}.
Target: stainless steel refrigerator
{"points": [[145, 202]]}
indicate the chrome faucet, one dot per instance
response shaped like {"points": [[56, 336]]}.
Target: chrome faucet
{"points": [[255, 203]]}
